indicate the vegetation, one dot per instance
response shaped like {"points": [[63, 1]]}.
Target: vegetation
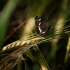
{"points": [[21, 48]]}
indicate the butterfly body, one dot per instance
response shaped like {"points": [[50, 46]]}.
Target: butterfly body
{"points": [[41, 28]]}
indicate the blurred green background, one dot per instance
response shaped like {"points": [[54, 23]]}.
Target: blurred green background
{"points": [[55, 13]]}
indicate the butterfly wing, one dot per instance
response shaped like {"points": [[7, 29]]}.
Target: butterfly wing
{"points": [[41, 28]]}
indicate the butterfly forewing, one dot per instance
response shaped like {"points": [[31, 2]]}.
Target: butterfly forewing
{"points": [[41, 28]]}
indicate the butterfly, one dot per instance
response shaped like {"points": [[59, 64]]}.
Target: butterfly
{"points": [[41, 28]]}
